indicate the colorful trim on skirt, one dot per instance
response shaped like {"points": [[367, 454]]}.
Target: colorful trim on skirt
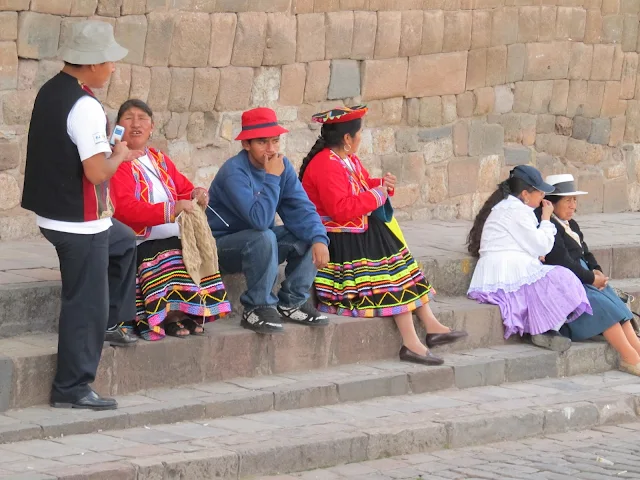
{"points": [[163, 285], [371, 274]]}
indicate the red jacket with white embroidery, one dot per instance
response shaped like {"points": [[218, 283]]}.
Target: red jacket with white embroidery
{"points": [[131, 188], [344, 199]]}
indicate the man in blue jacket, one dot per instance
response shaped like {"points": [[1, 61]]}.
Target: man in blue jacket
{"points": [[244, 198]]}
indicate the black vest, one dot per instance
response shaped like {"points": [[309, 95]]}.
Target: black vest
{"points": [[54, 183]]}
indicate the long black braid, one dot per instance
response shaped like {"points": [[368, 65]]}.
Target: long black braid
{"points": [[331, 136]]}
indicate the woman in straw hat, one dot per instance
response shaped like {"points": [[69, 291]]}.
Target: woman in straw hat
{"points": [[371, 272], [611, 317]]}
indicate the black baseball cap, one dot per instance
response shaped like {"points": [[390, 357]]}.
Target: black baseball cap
{"points": [[533, 177]]}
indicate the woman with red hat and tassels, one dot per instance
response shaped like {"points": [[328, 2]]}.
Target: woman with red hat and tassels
{"points": [[371, 272]]}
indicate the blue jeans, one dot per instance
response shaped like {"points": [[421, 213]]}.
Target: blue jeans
{"points": [[257, 255]]}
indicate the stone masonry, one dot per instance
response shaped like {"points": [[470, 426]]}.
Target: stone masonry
{"points": [[459, 91]]}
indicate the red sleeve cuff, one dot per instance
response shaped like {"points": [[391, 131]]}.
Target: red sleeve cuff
{"points": [[380, 198]]}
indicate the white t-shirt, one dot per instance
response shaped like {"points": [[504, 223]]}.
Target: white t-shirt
{"points": [[86, 126], [158, 195]]}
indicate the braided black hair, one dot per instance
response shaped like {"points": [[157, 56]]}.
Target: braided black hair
{"points": [[331, 135]]}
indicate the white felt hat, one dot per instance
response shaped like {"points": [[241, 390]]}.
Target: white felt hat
{"points": [[565, 185]]}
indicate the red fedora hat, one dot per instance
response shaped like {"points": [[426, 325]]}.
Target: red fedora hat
{"points": [[260, 123]]}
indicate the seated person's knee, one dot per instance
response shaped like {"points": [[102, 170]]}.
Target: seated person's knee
{"points": [[264, 239]]}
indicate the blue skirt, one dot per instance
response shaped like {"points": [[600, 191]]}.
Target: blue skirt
{"points": [[608, 310]]}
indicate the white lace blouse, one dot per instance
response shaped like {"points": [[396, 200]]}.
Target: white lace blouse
{"points": [[510, 247]]}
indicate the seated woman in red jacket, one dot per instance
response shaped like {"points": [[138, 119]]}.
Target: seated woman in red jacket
{"points": [[149, 194], [371, 272]]}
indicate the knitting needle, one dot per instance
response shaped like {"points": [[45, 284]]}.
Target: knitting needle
{"points": [[221, 219]]}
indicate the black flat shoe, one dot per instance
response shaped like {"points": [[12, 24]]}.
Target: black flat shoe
{"points": [[120, 337], [92, 401], [407, 355], [437, 339]]}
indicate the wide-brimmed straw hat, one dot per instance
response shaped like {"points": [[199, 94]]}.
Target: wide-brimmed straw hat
{"points": [[260, 123], [565, 185], [92, 43]]}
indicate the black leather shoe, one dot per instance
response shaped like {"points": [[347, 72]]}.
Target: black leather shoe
{"points": [[437, 339], [407, 355], [120, 337], [92, 401]]}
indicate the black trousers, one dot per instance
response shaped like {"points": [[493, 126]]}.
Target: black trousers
{"points": [[98, 291]]}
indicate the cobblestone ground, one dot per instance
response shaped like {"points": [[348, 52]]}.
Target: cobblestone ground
{"points": [[598, 454]]}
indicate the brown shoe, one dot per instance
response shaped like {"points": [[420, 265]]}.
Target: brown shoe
{"points": [[407, 355], [630, 368], [437, 339]]}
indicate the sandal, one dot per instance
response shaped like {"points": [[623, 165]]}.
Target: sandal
{"points": [[191, 325], [173, 328]]}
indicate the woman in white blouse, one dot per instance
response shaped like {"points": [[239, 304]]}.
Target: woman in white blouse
{"points": [[534, 299]]}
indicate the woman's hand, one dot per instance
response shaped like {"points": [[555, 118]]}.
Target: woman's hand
{"points": [[183, 206], [600, 281], [547, 210], [202, 196], [389, 181]]}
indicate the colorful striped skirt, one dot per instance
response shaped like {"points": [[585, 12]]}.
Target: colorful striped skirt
{"points": [[163, 285], [370, 274]]}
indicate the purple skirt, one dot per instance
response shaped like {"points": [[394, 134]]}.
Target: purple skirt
{"points": [[544, 305]]}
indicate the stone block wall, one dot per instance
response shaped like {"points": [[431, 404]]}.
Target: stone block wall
{"points": [[459, 91]]}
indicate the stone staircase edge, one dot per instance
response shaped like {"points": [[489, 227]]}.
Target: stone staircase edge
{"points": [[331, 449], [475, 368]]}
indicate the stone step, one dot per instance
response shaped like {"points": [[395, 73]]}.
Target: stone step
{"points": [[33, 307], [296, 390], [601, 452], [277, 443], [27, 363], [29, 306]]}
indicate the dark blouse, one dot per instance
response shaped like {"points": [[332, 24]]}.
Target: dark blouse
{"points": [[567, 253]]}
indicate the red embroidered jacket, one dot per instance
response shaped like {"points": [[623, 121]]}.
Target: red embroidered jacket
{"points": [[131, 187], [343, 199]]}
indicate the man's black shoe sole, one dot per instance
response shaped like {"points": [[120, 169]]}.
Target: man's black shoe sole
{"points": [[308, 324], [118, 344], [81, 407], [261, 330]]}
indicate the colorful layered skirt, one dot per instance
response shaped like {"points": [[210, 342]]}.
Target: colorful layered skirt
{"points": [[533, 298], [163, 285], [370, 274]]}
